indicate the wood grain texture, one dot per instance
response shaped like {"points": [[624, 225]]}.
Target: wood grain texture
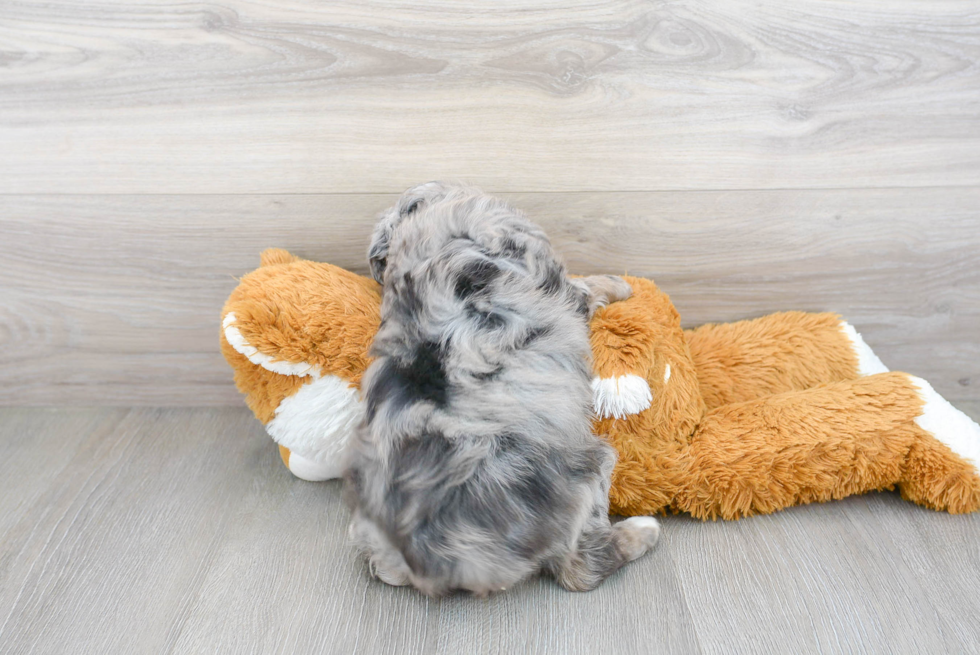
{"points": [[178, 530], [293, 96], [115, 299]]}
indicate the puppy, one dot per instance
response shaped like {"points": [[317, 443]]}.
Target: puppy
{"points": [[476, 466]]}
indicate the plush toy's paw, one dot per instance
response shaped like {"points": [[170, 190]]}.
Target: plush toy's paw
{"points": [[868, 362], [308, 469], [947, 424], [621, 396], [318, 419], [311, 471]]}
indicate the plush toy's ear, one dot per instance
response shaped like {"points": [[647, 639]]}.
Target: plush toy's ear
{"points": [[273, 256], [270, 356], [263, 352], [241, 312]]}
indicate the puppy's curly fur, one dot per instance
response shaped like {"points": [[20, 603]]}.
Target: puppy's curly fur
{"points": [[476, 466]]}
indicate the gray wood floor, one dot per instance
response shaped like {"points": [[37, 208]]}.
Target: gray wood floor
{"points": [[749, 156], [179, 530]]}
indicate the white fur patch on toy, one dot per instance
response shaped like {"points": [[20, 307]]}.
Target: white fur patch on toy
{"points": [[239, 343], [948, 424], [620, 396], [316, 423], [868, 362]]}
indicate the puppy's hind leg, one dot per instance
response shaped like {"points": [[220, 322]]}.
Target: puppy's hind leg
{"points": [[603, 550], [601, 290]]}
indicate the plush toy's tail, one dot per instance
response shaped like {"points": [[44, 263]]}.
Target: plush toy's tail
{"points": [[878, 432]]}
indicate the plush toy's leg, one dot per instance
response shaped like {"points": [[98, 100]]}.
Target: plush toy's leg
{"points": [[833, 441], [789, 351], [932, 476], [308, 469]]}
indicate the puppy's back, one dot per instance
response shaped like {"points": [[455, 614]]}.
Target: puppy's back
{"points": [[476, 465]]}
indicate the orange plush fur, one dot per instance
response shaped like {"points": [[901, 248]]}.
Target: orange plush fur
{"points": [[317, 313], [740, 419]]}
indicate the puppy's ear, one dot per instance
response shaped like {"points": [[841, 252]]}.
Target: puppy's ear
{"points": [[380, 240], [410, 202]]}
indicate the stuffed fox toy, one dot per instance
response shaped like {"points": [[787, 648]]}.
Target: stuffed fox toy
{"points": [[724, 420]]}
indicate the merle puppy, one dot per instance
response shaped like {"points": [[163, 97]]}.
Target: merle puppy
{"points": [[476, 465]]}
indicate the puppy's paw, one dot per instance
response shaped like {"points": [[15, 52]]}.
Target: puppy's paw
{"points": [[600, 290], [619, 289], [636, 535], [392, 577]]}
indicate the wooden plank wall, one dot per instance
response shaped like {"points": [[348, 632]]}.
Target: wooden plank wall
{"points": [[751, 157]]}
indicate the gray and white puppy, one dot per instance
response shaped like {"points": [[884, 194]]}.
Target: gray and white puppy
{"points": [[476, 466]]}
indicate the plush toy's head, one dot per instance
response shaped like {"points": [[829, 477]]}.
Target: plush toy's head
{"points": [[297, 334]]}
